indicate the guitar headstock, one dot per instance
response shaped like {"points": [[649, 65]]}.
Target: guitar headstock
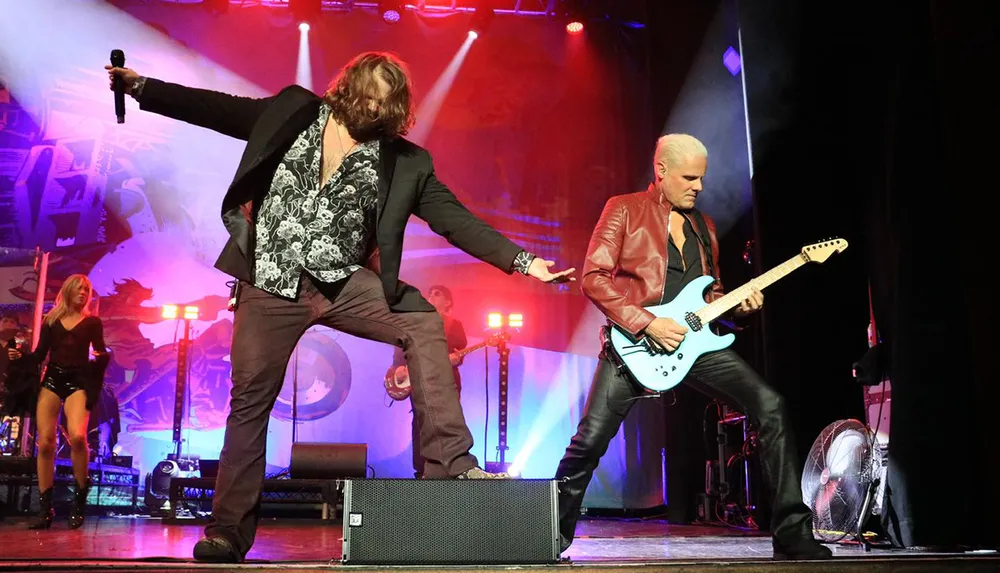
{"points": [[497, 337], [820, 252]]}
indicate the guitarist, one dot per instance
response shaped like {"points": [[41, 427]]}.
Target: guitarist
{"points": [[645, 248], [440, 297]]}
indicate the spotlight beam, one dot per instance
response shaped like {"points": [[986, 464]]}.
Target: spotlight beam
{"points": [[431, 105]]}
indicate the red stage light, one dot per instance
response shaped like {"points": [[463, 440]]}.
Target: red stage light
{"points": [[574, 27]]}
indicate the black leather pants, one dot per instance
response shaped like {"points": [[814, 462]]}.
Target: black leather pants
{"points": [[722, 375]]}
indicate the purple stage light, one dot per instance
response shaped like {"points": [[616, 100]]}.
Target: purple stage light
{"points": [[731, 59]]}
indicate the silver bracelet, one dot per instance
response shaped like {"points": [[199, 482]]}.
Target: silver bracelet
{"points": [[137, 86], [522, 261]]}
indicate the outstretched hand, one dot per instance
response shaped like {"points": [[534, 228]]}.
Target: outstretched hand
{"points": [[539, 268]]}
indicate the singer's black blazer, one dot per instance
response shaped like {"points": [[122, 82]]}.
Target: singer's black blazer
{"points": [[407, 183]]}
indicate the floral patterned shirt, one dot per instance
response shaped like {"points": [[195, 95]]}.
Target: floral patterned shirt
{"points": [[324, 230]]}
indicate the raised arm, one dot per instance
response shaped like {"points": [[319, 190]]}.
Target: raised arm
{"points": [[598, 271], [227, 114]]}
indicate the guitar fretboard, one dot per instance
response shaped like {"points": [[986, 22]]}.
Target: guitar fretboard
{"points": [[733, 298]]}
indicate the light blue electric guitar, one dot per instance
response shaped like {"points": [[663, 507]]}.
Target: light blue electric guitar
{"points": [[657, 369]]}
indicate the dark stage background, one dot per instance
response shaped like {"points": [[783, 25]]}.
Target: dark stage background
{"points": [[872, 121]]}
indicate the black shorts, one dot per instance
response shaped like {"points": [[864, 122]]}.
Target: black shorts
{"points": [[61, 381]]}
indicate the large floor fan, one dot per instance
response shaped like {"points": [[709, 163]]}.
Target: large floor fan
{"points": [[843, 480]]}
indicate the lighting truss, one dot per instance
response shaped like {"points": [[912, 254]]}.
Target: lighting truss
{"points": [[509, 7]]}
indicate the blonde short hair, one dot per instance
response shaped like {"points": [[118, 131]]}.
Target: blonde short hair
{"points": [[674, 148]]}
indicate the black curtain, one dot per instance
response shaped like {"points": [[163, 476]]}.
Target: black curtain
{"points": [[877, 122]]}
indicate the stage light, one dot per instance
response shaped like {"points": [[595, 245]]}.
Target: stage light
{"points": [[162, 474], [731, 59], [494, 320], [481, 21], [171, 311], [576, 13], [391, 11], [304, 27]]}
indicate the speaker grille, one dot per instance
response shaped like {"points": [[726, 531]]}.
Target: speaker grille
{"points": [[406, 521]]}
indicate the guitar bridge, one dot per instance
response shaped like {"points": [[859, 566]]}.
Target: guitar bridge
{"points": [[693, 320]]}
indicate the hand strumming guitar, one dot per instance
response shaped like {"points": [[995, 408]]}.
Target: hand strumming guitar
{"points": [[666, 333], [402, 374]]}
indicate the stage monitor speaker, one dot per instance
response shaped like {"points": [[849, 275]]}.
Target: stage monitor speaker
{"points": [[328, 461], [450, 522]]}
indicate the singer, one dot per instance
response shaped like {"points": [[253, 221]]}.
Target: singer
{"points": [[316, 214]]}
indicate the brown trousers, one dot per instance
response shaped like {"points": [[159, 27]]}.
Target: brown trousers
{"points": [[265, 332]]}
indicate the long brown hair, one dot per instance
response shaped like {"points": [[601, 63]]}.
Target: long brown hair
{"points": [[355, 86], [66, 292]]}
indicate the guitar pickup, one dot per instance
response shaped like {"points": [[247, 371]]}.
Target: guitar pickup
{"points": [[693, 320]]}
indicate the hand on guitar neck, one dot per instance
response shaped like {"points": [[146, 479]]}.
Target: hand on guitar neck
{"points": [[397, 378]]}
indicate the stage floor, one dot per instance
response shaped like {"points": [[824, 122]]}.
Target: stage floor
{"points": [[148, 545]]}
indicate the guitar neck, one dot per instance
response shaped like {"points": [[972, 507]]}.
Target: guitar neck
{"points": [[460, 353], [735, 297]]}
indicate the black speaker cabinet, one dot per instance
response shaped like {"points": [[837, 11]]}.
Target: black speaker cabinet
{"points": [[461, 522]]}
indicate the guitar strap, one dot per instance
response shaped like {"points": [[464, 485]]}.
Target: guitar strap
{"points": [[706, 239]]}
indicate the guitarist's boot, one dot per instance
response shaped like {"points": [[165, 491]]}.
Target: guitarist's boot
{"points": [[804, 549], [793, 537]]}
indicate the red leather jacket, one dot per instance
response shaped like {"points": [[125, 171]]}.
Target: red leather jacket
{"points": [[626, 265]]}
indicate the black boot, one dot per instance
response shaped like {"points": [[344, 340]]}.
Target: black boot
{"points": [[79, 505], [46, 513], [802, 549]]}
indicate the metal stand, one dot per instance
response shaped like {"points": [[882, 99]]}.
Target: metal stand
{"points": [[718, 488], [295, 395], [180, 394], [504, 353], [27, 446], [730, 417]]}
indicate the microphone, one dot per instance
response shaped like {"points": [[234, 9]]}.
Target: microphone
{"points": [[118, 61]]}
